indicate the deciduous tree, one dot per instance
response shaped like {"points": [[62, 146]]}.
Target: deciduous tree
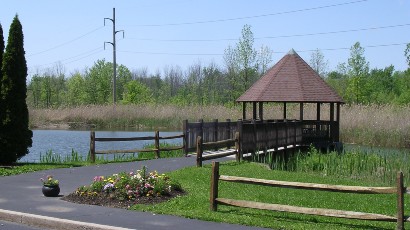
{"points": [[318, 63]]}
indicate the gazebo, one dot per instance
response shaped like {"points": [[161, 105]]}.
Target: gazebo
{"points": [[292, 80]]}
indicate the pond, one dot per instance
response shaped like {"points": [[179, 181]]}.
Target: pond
{"points": [[62, 142]]}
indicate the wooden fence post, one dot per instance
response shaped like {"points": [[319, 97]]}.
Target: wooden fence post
{"points": [[214, 185], [185, 138], [92, 146], [237, 147], [157, 145], [199, 151], [400, 201]]}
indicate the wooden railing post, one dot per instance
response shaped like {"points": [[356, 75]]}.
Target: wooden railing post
{"points": [[237, 147], [214, 186], [185, 138], [228, 130], [157, 145], [239, 126], [92, 146], [199, 151], [400, 201], [295, 134], [216, 129]]}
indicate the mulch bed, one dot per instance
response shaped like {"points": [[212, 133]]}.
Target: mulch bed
{"points": [[106, 200]]}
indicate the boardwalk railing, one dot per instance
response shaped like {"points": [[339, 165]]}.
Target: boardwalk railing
{"points": [[264, 135], [209, 131], [400, 190], [255, 135], [155, 138], [218, 149]]}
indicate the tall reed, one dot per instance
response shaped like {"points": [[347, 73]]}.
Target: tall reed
{"points": [[375, 125], [356, 164]]}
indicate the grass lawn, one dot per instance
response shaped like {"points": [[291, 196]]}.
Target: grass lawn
{"points": [[195, 205]]}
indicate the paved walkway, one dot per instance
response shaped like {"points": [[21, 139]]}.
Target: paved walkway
{"points": [[21, 201]]}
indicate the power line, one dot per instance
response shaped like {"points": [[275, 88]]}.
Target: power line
{"points": [[65, 43], [273, 37], [87, 53], [176, 54], [249, 17], [299, 51]]}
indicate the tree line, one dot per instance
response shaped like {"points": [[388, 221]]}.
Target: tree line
{"points": [[212, 84]]}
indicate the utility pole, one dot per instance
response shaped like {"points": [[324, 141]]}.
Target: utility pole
{"points": [[114, 54]]}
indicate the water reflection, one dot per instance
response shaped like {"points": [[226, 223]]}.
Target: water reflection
{"points": [[62, 142]]}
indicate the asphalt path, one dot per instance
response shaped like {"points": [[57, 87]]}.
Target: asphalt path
{"points": [[22, 193], [6, 225]]}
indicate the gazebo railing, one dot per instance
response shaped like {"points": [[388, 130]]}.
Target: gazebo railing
{"points": [[314, 131]]}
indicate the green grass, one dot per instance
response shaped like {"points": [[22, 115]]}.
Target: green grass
{"points": [[20, 168], [163, 154], [195, 205]]}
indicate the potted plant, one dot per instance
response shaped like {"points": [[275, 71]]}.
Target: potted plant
{"points": [[51, 186]]}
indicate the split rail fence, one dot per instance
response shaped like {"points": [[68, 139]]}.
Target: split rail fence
{"points": [[155, 138], [218, 149], [400, 190]]}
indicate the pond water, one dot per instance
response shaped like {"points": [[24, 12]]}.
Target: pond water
{"points": [[62, 142]]}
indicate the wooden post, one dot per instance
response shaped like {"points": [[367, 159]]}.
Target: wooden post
{"points": [[301, 111], [214, 186], [400, 201], [284, 110], [92, 146], [338, 122], [201, 128], [215, 136], [332, 123], [239, 128], [318, 120], [295, 134], [255, 139], [199, 151], [157, 144], [261, 111], [228, 130], [254, 105], [237, 147], [244, 110], [185, 139]]}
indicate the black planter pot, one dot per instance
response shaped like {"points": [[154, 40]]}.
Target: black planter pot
{"points": [[51, 191]]}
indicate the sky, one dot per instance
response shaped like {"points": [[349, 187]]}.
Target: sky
{"points": [[160, 34]]}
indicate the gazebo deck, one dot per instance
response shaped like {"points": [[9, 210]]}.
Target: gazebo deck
{"points": [[291, 80]]}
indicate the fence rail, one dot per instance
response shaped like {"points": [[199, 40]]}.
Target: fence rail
{"points": [[225, 145], [400, 190], [155, 138]]}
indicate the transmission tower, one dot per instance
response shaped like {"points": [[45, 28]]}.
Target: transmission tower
{"points": [[114, 54]]}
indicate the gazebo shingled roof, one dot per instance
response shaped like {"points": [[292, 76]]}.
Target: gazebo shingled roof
{"points": [[291, 80]]}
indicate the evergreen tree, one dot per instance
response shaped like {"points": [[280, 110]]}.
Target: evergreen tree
{"points": [[15, 136], [1, 50], [1, 61]]}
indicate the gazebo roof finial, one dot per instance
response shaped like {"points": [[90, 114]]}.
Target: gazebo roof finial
{"points": [[292, 51]]}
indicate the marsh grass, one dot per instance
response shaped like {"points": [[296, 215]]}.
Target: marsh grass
{"points": [[374, 125], [51, 157], [357, 165]]}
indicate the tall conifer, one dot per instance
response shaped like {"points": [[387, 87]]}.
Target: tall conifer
{"points": [[14, 132]]}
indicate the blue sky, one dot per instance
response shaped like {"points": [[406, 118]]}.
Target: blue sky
{"points": [[185, 32]]}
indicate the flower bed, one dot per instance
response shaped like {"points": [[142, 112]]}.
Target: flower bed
{"points": [[125, 189]]}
